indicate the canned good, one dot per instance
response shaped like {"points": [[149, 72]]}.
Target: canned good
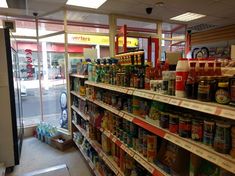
{"points": [[197, 130], [164, 120], [208, 133], [222, 140], [129, 140], [174, 123], [185, 127]]}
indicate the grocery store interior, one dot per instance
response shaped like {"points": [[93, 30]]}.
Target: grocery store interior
{"points": [[126, 88]]}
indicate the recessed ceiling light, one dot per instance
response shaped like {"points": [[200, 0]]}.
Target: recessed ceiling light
{"points": [[95, 4], [187, 17], [3, 3]]}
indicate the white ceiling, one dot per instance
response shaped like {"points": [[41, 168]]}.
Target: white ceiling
{"points": [[219, 12]]}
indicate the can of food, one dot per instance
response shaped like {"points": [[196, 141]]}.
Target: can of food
{"points": [[125, 136], [222, 140], [164, 120], [128, 123], [197, 130], [151, 155], [174, 123], [129, 140], [151, 142], [208, 133], [185, 127], [133, 130]]}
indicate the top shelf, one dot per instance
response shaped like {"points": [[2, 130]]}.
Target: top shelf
{"points": [[209, 108], [79, 76]]}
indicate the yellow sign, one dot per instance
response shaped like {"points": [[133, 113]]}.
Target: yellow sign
{"points": [[98, 40]]}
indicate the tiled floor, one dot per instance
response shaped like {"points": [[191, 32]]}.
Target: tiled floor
{"points": [[37, 155]]}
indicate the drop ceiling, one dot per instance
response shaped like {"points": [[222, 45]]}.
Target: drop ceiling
{"points": [[219, 12]]}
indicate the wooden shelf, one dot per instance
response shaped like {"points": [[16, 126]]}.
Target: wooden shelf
{"points": [[222, 160], [107, 159], [209, 108], [90, 163], [152, 168], [85, 117], [79, 76], [77, 95]]}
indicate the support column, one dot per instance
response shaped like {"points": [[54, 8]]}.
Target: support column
{"points": [[112, 33], [159, 33]]}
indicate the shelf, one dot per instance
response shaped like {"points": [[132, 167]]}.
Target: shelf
{"points": [[79, 76], [77, 95], [107, 159], [85, 117], [222, 160], [209, 108], [92, 166], [153, 169]]}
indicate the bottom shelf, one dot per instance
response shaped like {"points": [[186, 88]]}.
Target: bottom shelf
{"points": [[92, 166]]}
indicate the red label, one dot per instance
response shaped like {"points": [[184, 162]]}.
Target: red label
{"points": [[181, 78]]}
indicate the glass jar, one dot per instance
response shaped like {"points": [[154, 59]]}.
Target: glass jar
{"points": [[185, 127], [204, 89], [197, 130], [222, 95]]}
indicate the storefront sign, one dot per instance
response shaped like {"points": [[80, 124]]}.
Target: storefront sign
{"points": [[29, 65]]}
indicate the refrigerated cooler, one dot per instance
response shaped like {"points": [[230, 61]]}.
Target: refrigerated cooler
{"points": [[11, 120]]}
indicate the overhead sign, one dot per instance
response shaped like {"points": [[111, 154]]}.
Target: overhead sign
{"points": [[89, 40]]}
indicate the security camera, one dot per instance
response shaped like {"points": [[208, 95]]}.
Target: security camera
{"points": [[149, 10]]}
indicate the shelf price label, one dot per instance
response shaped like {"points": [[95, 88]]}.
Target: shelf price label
{"points": [[114, 139], [130, 92], [174, 102], [128, 117], [196, 106], [199, 152], [127, 150], [169, 137], [121, 114], [212, 157], [227, 165], [107, 134], [161, 98], [228, 113], [144, 163], [209, 109]]}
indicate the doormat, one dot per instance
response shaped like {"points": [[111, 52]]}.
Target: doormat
{"points": [[59, 170]]}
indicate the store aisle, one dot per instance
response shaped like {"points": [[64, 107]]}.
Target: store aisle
{"points": [[37, 155]]}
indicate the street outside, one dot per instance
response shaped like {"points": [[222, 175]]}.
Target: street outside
{"points": [[50, 101]]}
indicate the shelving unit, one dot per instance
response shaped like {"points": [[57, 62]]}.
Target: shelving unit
{"points": [[92, 166], [85, 117], [77, 95], [107, 159], [222, 160], [209, 108], [79, 76], [153, 169]]}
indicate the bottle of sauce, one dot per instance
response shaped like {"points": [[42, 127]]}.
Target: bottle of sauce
{"points": [[182, 70], [191, 81]]}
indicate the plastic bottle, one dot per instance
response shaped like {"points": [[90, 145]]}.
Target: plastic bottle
{"points": [[182, 70]]}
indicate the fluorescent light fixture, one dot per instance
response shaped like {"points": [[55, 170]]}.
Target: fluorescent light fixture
{"points": [[188, 17], [95, 4], [3, 3]]}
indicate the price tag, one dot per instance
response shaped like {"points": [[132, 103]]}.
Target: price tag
{"points": [[188, 146], [107, 134], [228, 113], [115, 111], [169, 137], [121, 114], [111, 166], [128, 117], [161, 98], [196, 106], [174, 102], [209, 109], [114, 139], [212, 157], [130, 92], [144, 163], [178, 142], [137, 93], [199, 152], [226, 165]]}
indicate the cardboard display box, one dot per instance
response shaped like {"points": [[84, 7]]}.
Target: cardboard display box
{"points": [[61, 142]]}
